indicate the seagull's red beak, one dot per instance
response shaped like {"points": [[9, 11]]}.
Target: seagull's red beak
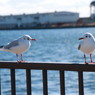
{"points": [[81, 38], [33, 39]]}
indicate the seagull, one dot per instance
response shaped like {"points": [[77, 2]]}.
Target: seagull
{"points": [[18, 46], [87, 45]]}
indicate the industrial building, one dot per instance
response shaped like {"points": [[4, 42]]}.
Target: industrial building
{"points": [[38, 19]]}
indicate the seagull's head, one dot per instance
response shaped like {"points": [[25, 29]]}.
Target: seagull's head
{"points": [[87, 36], [27, 37]]}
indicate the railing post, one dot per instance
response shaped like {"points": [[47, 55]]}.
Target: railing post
{"points": [[0, 81], [28, 81], [62, 82], [81, 85], [13, 86], [45, 83]]}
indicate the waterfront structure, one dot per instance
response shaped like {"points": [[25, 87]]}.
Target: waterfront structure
{"points": [[44, 67], [38, 19], [92, 9]]}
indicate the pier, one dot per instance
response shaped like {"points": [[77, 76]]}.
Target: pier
{"points": [[44, 67]]}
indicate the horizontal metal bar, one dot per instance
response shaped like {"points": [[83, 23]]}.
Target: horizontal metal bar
{"points": [[48, 66]]}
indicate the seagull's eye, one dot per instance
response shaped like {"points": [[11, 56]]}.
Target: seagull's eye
{"points": [[86, 36]]}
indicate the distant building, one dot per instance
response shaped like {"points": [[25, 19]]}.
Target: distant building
{"points": [[32, 20], [92, 9]]}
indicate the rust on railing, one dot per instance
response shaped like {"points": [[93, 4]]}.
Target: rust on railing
{"points": [[45, 66]]}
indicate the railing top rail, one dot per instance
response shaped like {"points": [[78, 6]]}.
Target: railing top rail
{"points": [[48, 66]]}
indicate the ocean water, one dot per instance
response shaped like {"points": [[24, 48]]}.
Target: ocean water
{"points": [[51, 45]]}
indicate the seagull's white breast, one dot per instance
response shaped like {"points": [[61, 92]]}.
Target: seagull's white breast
{"points": [[87, 46]]}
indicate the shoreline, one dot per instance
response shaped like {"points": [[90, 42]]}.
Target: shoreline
{"points": [[50, 27]]}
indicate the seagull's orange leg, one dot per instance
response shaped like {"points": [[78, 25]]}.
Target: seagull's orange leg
{"points": [[85, 59], [17, 57], [22, 59], [91, 58]]}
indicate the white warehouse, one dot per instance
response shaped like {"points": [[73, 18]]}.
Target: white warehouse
{"points": [[32, 20]]}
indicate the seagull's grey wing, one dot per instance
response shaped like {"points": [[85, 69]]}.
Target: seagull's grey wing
{"points": [[12, 44], [79, 46]]}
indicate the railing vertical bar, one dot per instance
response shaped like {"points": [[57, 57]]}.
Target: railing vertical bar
{"points": [[13, 85], [45, 83], [0, 81], [81, 85], [28, 81], [62, 82]]}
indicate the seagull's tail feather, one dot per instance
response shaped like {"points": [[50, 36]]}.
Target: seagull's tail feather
{"points": [[1, 48]]}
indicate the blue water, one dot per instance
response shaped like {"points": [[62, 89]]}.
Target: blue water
{"points": [[51, 45]]}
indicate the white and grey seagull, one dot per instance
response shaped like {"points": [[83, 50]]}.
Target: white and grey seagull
{"points": [[87, 45], [18, 46]]}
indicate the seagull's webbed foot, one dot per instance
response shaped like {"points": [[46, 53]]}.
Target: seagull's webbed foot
{"points": [[18, 61], [93, 62], [89, 62], [21, 61], [86, 63]]}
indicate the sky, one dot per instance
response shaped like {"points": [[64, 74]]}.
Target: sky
{"points": [[8, 7]]}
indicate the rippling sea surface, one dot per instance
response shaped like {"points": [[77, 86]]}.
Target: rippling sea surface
{"points": [[51, 45]]}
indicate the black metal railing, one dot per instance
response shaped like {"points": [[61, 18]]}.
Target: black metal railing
{"points": [[61, 67]]}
